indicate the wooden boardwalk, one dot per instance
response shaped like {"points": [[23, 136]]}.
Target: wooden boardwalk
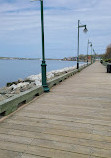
{"points": [[72, 121]]}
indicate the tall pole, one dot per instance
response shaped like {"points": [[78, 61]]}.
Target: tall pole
{"points": [[94, 55], [42, 30], [91, 53], [78, 47], [43, 65], [85, 30], [87, 51]]}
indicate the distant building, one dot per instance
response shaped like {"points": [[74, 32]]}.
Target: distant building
{"points": [[70, 59]]}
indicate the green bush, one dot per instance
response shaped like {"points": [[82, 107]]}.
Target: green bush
{"points": [[108, 60]]}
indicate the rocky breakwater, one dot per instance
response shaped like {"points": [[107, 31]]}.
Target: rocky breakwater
{"points": [[21, 85]]}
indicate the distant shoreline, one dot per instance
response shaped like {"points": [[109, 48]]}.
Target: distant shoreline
{"points": [[17, 58]]}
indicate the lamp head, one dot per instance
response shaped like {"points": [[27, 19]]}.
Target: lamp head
{"points": [[91, 45], [85, 29]]}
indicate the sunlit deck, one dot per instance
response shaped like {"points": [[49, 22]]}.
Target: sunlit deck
{"points": [[72, 121]]}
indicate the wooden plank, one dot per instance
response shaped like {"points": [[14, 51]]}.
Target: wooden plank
{"points": [[72, 121], [9, 154]]}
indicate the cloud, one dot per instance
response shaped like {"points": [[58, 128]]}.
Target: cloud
{"points": [[20, 24]]}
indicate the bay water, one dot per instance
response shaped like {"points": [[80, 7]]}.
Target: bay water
{"points": [[12, 70]]}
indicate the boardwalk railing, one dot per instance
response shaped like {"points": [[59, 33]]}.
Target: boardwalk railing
{"points": [[10, 105]]}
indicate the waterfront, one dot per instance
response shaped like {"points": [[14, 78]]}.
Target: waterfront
{"points": [[72, 121], [12, 70]]}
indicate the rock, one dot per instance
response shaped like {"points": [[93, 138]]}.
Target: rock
{"points": [[31, 85], [19, 85], [20, 80], [23, 89], [2, 97], [33, 78], [16, 82], [9, 95], [57, 74], [50, 75], [16, 91], [9, 84], [38, 83], [5, 90]]}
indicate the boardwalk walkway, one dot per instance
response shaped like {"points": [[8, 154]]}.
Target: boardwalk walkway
{"points": [[72, 121]]}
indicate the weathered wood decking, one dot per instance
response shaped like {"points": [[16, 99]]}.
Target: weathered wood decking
{"points": [[72, 121]]}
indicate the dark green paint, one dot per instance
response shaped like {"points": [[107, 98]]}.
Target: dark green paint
{"points": [[85, 30], [43, 65]]}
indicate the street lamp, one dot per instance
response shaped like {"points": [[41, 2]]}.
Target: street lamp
{"points": [[91, 52], [94, 54], [85, 30], [43, 65], [88, 50]]}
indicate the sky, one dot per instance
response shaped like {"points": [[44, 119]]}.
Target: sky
{"points": [[20, 27]]}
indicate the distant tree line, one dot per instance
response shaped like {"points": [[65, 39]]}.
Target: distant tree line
{"points": [[107, 55], [83, 57]]}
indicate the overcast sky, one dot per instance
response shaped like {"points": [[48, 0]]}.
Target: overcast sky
{"points": [[20, 29]]}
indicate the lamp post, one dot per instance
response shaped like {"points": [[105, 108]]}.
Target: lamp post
{"points": [[43, 65], [88, 49], [94, 54], [91, 52], [85, 30]]}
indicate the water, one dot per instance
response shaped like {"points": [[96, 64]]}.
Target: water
{"points": [[12, 70]]}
